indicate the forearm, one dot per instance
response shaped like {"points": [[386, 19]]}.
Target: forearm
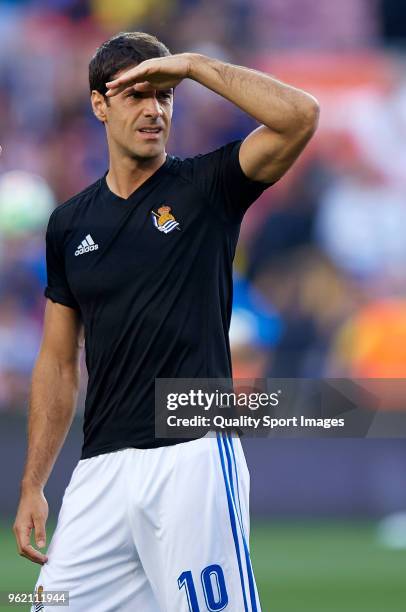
{"points": [[53, 399], [277, 105]]}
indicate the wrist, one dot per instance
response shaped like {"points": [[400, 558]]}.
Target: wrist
{"points": [[194, 60], [31, 486]]}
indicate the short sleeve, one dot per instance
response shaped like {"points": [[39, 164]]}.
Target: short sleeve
{"points": [[220, 177], [57, 288]]}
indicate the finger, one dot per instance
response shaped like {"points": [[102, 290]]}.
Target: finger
{"points": [[24, 547], [143, 87], [123, 82], [132, 76], [30, 553], [40, 533], [22, 535], [116, 90]]}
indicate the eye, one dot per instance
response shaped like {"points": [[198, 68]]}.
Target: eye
{"points": [[134, 94], [165, 95]]}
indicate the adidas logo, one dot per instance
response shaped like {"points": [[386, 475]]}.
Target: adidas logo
{"points": [[87, 244]]}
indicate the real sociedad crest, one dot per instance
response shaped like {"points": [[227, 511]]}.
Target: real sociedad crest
{"points": [[163, 220]]}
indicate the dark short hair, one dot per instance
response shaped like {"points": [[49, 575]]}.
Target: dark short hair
{"points": [[122, 51]]}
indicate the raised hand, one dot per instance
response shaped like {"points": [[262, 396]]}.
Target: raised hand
{"points": [[159, 73]]}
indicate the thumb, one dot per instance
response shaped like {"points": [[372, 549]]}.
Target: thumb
{"points": [[142, 87], [40, 534]]}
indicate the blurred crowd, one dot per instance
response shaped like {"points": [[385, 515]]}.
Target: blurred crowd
{"points": [[320, 272]]}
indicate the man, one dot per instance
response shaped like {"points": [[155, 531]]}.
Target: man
{"points": [[142, 262]]}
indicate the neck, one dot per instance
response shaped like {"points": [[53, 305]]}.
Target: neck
{"points": [[127, 174]]}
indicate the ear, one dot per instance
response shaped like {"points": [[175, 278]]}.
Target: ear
{"points": [[99, 105]]}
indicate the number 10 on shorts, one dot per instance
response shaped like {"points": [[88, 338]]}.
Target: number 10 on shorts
{"points": [[214, 588]]}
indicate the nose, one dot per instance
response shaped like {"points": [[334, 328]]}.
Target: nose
{"points": [[152, 108]]}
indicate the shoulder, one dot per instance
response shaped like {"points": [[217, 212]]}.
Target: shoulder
{"points": [[190, 168], [65, 211]]}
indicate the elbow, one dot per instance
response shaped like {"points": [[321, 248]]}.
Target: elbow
{"points": [[304, 119], [310, 116]]}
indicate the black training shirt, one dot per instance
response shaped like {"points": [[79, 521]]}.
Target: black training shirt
{"points": [[152, 278]]}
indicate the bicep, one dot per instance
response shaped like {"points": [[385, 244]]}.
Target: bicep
{"points": [[266, 155], [62, 334]]}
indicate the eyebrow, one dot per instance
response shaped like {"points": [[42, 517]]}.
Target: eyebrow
{"points": [[130, 91]]}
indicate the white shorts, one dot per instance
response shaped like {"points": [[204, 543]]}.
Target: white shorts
{"points": [[156, 530]]}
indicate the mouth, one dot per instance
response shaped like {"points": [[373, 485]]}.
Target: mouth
{"points": [[150, 132]]}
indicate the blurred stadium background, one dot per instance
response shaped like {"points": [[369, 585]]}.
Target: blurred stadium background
{"points": [[320, 273]]}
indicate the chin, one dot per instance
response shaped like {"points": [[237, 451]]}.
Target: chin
{"points": [[148, 151]]}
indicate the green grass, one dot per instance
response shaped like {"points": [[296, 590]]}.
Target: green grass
{"points": [[325, 567], [306, 567]]}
